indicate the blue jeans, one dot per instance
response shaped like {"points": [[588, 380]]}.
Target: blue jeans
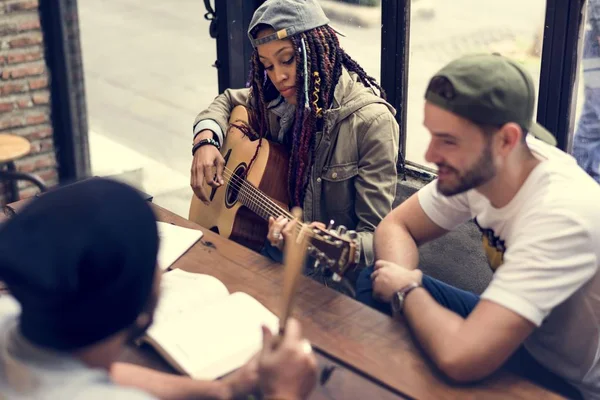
{"points": [[457, 300], [462, 303], [272, 252]]}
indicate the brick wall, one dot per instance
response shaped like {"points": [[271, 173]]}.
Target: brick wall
{"points": [[24, 90]]}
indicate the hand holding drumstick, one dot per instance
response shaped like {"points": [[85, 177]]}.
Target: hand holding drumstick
{"points": [[294, 256], [287, 364]]}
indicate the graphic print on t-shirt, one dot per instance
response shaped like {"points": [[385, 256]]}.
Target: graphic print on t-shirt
{"points": [[493, 246]]}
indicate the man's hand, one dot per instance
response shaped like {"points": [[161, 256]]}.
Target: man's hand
{"points": [[287, 366], [388, 278]]}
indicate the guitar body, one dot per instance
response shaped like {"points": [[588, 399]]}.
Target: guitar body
{"points": [[225, 214]]}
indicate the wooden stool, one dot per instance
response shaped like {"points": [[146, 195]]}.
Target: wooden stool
{"points": [[13, 147]]}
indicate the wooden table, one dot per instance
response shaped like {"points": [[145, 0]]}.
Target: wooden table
{"points": [[375, 355]]}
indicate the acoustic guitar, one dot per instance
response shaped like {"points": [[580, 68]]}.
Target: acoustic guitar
{"points": [[240, 209]]}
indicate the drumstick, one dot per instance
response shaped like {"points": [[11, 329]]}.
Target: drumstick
{"points": [[294, 255]]}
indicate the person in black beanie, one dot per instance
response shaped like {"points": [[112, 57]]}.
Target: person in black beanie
{"points": [[80, 265]]}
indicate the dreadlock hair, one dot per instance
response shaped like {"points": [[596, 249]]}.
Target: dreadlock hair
{"points": [[325, 59]]}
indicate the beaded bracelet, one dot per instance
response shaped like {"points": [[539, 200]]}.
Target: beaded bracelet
{"points": [[204, 142]]}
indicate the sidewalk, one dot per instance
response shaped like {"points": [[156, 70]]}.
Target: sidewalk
{"points": [[351, 14], [169, 188], [365, 16]]}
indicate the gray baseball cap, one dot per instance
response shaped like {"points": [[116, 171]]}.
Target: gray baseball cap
{"points": [[287, 18], [489, 89]]}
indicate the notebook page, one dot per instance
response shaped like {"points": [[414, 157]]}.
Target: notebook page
{"points": [[183, 292], [174, 242], [218, 339]]}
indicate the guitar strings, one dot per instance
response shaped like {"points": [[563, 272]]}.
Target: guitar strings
{"points": [[255, 196], [245, 189], [256, 193]]}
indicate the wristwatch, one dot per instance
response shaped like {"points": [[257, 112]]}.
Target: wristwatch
{"points": [[399, 297]]}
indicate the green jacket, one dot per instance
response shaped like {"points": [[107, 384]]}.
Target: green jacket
{"points": [[353, 179]]}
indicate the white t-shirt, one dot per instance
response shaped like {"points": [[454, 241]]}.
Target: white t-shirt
{"points": [[545, 249], [30, 372]]}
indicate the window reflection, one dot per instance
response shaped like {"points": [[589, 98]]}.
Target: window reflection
{"points": [[585, 138], [444, 30], [148, 72], [360, 22]]}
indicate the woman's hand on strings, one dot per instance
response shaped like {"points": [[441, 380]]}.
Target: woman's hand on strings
{"points": [[280, 230], [206, 160]]}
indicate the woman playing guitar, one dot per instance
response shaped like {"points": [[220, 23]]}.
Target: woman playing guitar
{"points": [[308, 95]]}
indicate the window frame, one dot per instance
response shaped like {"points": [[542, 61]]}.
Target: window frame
{"points": [[60, 29], [559, 70]]}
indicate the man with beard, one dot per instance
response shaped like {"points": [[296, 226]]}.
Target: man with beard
{"points": [[539, 217], [81, 263]]}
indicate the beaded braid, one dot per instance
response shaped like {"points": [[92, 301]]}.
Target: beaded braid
{"points": [[325, 61], [304, 117]]}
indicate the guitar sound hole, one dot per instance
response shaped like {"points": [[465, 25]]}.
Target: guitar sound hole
{"points": [[235, 184]]}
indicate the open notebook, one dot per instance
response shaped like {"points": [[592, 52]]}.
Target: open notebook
{"points": [[174, 242], [204, 331]]}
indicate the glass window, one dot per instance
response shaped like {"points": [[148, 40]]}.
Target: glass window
{"points": [[585, 137], [360, 22], [444, 30], [148, 72]]}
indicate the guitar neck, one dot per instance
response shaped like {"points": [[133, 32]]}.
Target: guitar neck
{"points": [[338, 253]]}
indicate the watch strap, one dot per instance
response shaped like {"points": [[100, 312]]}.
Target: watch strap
{"points": [[403, 293], [215, 137], [205, 142]]}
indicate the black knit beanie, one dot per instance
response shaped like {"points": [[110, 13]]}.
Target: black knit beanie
{"points": [[81, 260]]}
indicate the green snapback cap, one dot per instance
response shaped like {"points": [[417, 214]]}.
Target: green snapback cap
{"points": [[488, 89]]}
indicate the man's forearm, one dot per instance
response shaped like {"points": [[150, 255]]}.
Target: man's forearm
{"points": [[446, 340], [465, 349], [168, 386], [434, 326], [395, 244]]}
